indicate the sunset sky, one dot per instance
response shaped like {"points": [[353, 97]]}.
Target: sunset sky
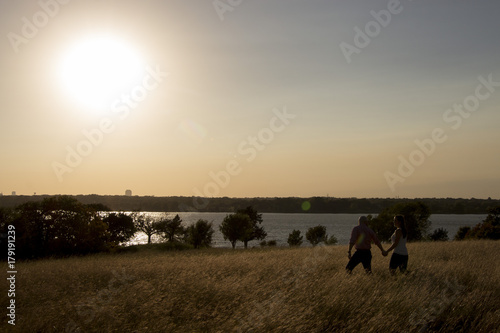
{"points": [[250, 98]]}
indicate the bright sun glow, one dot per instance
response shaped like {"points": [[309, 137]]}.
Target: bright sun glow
{"points": [[97, 70]]}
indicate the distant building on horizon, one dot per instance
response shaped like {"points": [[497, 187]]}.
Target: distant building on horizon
{"points": [[128, 193], [14, 193]]}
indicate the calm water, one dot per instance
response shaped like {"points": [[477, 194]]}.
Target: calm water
{"points": [[279, 226]]}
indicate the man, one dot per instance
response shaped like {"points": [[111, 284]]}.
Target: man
{"points": [[362, 237]]}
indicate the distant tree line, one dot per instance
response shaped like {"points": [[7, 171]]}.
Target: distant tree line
{"points": [[313, 205]]}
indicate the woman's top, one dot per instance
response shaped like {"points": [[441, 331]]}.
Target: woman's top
{"points": [[401, 247]]}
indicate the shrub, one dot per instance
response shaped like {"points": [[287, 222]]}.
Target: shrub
{"points": [[484, 231], [268, 243], [439, 234], [489, 229], [295, 238], [316, 235], [461, 233], [332, 240]]}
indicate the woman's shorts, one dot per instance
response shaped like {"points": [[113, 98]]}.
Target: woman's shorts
{"points": [[398, 260]]}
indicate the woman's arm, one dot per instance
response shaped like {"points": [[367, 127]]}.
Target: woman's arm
{"points": [[399, 233]]}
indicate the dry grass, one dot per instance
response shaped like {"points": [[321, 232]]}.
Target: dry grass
{"points": [[452, 287]]}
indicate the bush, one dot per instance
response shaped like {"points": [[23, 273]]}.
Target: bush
{"points": [[316, 235], [439, 234], [484, 231], [268, 243], [489, 229], [295, 238], [332, 240], [461, 233]]}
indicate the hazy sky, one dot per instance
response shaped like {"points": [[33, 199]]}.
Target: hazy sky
{"points": [[251, 98]]}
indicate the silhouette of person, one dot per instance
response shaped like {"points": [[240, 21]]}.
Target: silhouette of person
{"points": [[399, 258], [362, 237]]}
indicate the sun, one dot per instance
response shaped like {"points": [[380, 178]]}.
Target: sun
{"points": [[95, 70]]}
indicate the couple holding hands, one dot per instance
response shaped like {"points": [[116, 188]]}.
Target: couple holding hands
{"points": [[362, 237]]}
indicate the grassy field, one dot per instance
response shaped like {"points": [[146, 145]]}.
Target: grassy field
{"points": [[451, 287]]}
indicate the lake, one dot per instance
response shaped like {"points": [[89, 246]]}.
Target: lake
{"points": [[278, 225]]}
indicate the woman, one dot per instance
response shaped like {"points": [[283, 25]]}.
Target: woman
{"points": [[400, 256]]}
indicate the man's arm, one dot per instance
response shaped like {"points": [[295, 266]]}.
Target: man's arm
{"points": [[352, 241], [350, 248]]}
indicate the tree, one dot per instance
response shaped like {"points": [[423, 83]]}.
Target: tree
{"points": [[417, 221], [200, 234], [235, 227], [493, 216], [257, 231], [58, 226], [439, 234], [32, 231], [77, 228], [170, 228], [461, 233], [99, 207], [316, 235], [146, 224], [121, 227], [489, 229], [5, 218], [5, 221], [295, 238]]}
